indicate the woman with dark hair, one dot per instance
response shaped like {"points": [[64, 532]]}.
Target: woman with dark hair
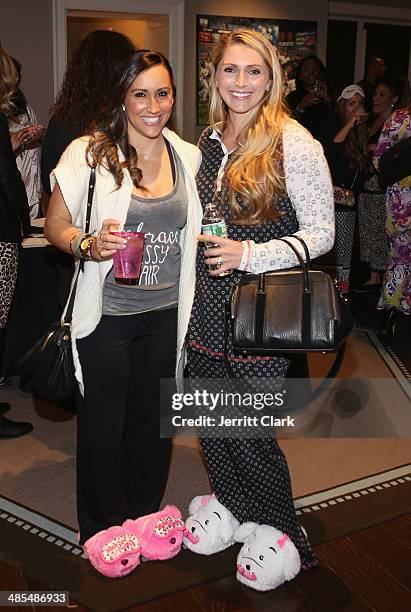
{"points": [[310, 102], [88, 82], [372, 212], [126, 338]]}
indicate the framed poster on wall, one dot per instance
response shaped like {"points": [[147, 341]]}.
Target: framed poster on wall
{"points": [[293, 39]]}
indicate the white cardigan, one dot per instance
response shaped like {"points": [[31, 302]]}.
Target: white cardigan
{"points": [[72, 174]]}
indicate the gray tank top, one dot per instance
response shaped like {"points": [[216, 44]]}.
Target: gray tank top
{"points": [[163, 219]]}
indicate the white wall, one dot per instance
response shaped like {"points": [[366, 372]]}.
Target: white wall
{"points": [[26, 34]]}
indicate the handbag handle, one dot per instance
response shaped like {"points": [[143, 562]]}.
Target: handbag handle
{"points": [[69, 310], [305, 247], [303, 264]]}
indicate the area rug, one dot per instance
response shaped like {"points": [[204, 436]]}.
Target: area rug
{"points": [[340, 485], [38, 470], [48, 551]]}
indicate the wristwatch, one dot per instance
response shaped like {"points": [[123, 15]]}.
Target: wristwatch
{"points": [[84, 248]]}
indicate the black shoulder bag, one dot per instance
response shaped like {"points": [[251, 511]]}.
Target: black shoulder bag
{"points": [[289, 311], [48, 365]]}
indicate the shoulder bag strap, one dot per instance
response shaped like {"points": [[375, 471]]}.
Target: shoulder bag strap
{"points": [[91, 185]]}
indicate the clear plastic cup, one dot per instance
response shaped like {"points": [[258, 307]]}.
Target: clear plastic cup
{"points": [[127, 262]]}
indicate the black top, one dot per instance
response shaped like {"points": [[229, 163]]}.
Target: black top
{"points": [[313, 116], [56, 140], [14, 208]]}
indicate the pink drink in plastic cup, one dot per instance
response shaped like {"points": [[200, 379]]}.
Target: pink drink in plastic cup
{"points": [[127, 262]]}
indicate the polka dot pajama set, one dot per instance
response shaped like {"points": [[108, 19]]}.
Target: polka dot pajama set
{"points": [[250, 475]]}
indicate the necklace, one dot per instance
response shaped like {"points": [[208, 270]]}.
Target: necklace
{"points": [[143, 154], [148, 154]]}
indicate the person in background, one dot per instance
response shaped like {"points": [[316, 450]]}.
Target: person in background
{"points": [[28, 154], [405, 93], [395, 297], [14, 222], [372, 212], [344, 137], [127, 338], [268, 178], [310, 102], [26, 135], [374, 71], [88, 82]]}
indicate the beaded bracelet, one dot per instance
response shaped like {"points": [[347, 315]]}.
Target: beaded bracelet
{"points": [[75, 243]]}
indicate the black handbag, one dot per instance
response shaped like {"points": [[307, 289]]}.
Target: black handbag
{"points": [[48, 366], [395, 164], [288, 311]]}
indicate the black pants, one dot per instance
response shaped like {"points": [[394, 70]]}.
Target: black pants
{"points": [[122, 463]]}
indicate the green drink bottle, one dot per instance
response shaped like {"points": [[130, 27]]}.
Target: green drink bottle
{"points": [[213, 224]]}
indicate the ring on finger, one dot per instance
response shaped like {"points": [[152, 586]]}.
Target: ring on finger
{"points": [[219, 261]]}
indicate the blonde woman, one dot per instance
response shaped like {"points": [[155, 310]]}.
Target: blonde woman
{"points": [[268, 178], [14, 221]]}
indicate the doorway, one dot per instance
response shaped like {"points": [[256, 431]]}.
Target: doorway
{"points": [[145, 31], [157, 24]]}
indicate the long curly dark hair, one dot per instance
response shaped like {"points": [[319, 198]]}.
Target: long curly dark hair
{"points": [[89, 79], [113, 128], [355, 144]]}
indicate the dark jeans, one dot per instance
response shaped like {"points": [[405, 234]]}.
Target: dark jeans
{"points": [[122, 463]]}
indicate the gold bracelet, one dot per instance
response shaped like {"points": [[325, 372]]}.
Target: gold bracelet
{"points": [[85, 246]]}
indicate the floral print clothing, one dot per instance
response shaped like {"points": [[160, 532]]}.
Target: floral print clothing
{"points": [[396, 291]]}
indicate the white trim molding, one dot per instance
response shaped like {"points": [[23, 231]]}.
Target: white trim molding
{"points": [[173, 8], [370, 11]]}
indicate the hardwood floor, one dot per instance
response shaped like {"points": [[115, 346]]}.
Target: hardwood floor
{"points": [[368, 570]]}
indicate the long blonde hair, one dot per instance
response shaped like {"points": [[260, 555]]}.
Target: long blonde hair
{"points": [[8, 82], [256, 169]]}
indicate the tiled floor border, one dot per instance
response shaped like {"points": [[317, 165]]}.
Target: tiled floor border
{"points": [[66, 538], [357, 488]]}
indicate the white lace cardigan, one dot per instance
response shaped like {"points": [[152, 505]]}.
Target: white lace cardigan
{"points": [[309, 187]]}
